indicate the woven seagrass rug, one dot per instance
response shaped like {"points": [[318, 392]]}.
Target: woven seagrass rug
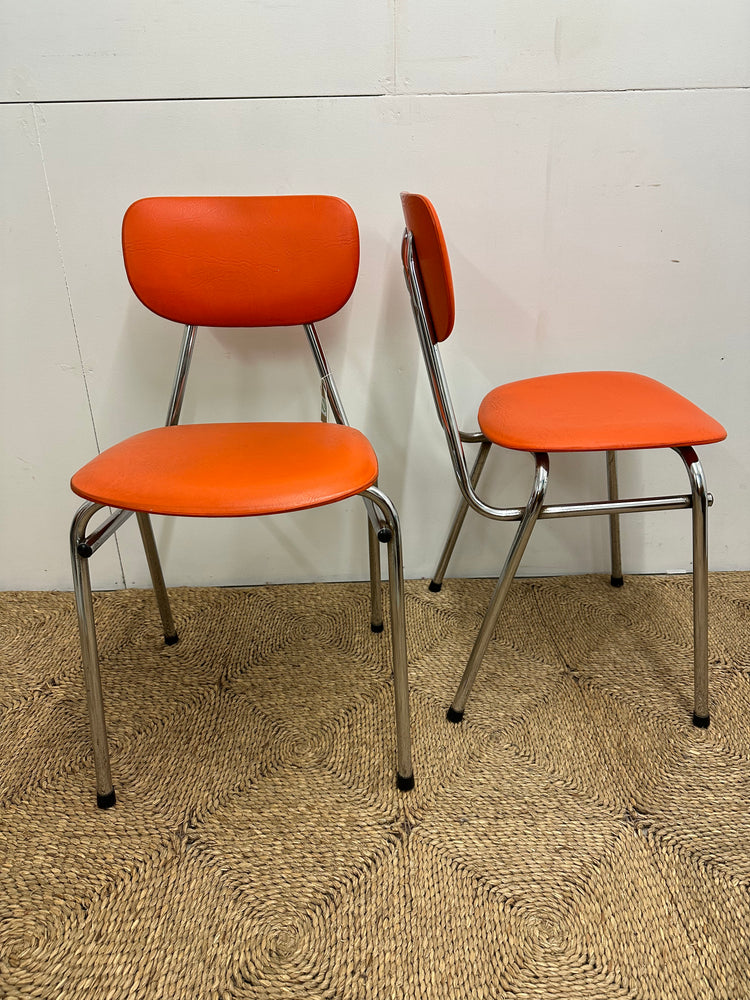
{"points": [[574, 837]]}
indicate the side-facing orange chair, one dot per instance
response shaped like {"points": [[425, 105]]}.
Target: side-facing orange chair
{"points": [[237, 262], [578, 411]]}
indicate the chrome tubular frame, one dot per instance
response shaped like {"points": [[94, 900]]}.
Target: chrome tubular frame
{"points": [[383, 526], [157, 578], [614, 522], [377, 531], [458, 520], [95, 539], [533, 508], [83, 546], [181, 376], [331, 394], [376, 593], [105, 793], [88, 544], [391, 533], [701, 501], [326, 377], [698, 501]]}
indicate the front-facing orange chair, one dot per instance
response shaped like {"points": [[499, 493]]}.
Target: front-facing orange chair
{"points": [[578, 411], [237, 262]]}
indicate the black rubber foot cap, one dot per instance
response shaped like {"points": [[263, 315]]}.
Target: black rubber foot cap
{"points": [[435, 587], [170, 640], [106, 801], [701, 721], [453, 716], [385, 535], [405, 784], [376, 628], [616, 581]]}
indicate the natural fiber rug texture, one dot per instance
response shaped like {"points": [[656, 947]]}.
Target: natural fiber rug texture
{"points": [[574, 837]]}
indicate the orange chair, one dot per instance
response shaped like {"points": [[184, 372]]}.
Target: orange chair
{"points": [[239, 262], [579, 411]]}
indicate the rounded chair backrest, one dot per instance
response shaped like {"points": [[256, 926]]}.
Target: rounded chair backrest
{"points": [[433, 264], [244, 261]]}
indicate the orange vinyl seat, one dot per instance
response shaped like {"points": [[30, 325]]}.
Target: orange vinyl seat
{"points": [[593, 411], [605, 411], [239, 262], [193, 471]]}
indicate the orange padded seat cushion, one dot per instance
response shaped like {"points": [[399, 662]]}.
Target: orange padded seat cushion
{"points": [[244, 261], [593, 411], [230, 470]]}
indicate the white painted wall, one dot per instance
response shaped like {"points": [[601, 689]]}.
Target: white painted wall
{"points": [[590, 164]]}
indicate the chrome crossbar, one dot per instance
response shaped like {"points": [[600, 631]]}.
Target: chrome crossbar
{"points": [[588, 507], [641, 506], [88, 546]]}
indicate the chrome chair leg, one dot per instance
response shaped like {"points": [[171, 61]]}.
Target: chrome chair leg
{"points": [[376, 593], [533, 507], [701, 714], [157, 578], [105, 792], [458, 520], [392, 535], [616, 578]]}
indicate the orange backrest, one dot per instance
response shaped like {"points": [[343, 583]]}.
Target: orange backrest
{"points": [[245, 261], [432, 262]]}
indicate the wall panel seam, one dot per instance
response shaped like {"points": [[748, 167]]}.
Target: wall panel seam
{"points": [[61, 258], [382, 94]]}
